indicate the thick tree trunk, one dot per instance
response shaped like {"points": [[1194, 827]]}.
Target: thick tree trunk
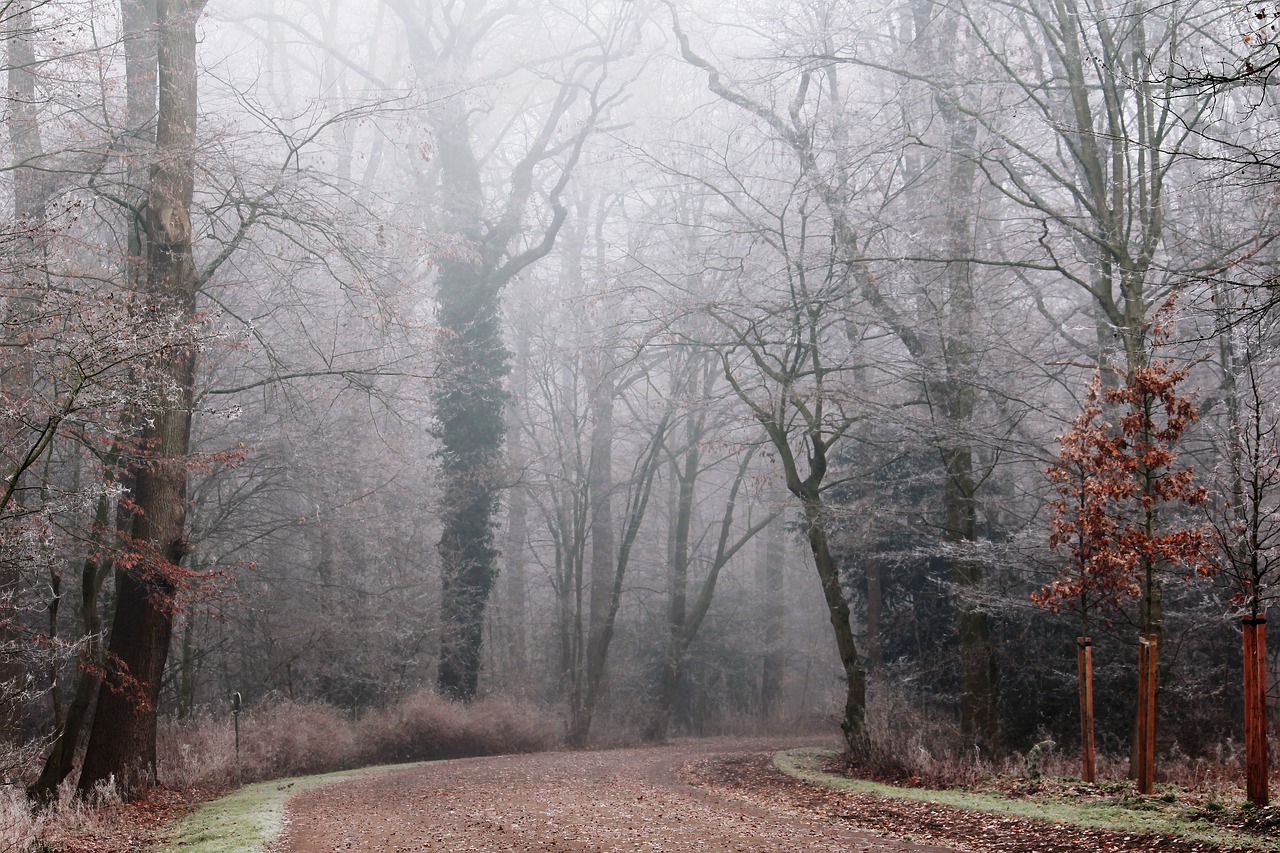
{"points": [[514, 632], [122, 743], [979, 717], [979, 712], [469, 411]]}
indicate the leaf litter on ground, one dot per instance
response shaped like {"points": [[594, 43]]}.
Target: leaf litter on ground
{"points": [[915, 813]]}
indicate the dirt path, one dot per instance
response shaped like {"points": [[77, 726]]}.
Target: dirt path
{"points": [[619, 800]]}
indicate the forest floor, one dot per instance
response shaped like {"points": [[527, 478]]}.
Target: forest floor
{"points": [[706, 795], [694, 796]]}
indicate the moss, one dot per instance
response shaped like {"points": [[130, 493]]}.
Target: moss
{"points": [[249, 820]]}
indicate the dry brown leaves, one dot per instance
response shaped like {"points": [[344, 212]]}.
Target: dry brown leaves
{"points": [[755, 778], [124, 828]]}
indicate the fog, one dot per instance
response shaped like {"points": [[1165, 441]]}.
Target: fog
{"points": [[670, 368]]}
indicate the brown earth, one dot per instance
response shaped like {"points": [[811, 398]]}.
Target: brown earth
{"points": [[654, 799], [720, 795]]}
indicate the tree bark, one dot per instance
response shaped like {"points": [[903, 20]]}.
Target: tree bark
{"points": [[979, 699], [61, 758], [122, 743], [685, 473], [771, 580], [875, 608], [600, 500], [854, 722]]}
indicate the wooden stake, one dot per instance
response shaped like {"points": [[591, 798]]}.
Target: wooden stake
{"points": [[1257, 764], [1084, 661], [1148, 657]]}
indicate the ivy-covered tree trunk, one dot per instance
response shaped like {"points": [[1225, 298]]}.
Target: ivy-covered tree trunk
{"points": [[469, 414], [470, 403], [122, 743]]}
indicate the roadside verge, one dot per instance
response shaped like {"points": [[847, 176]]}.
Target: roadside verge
{"points": [[250, 819], [1122, 813]]}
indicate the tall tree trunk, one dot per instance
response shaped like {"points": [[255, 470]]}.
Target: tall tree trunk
{"points": [[773, 617], [600, 501], [513, 628], [590, 680], [855, 705], [469, 406], [685, 618], [979, 712], [685, 473], [875, 608], [122, 743]]}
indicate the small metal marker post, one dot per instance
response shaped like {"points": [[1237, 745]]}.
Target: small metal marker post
{"points": [[235, 715]]}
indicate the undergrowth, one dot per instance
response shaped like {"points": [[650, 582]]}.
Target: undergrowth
{"points": [[23, 828], [913, 747], [283, 739], [1109, 806], [300, 739]]}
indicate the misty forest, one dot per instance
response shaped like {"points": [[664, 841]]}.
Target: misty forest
{"points": [[617, 371]]}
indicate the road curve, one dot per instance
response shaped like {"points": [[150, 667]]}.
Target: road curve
{"points": [[615, 800]]}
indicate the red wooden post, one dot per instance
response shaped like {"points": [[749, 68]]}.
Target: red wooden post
{"points": [[1084, 661], [1257, 765], [1148, 657], [1261, 681]]}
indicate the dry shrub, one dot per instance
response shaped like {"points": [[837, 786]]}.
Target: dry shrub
{"points": [[294, 739], [909, 742], [17, 824], [425, 727], [197, 753], [284, 739], [913, 745], [22, 829]]}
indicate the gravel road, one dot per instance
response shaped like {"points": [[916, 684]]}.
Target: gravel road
{"points": [[615, 800]]}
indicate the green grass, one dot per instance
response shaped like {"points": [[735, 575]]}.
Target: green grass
{"points": [[250, 819], [1122, 813]]}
